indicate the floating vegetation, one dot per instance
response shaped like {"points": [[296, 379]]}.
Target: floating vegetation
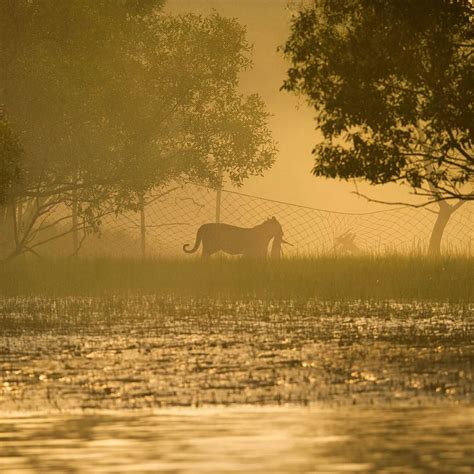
{"points": [[150, 351]]}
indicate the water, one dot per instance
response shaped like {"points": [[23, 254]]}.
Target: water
{"points": [[247, 439], [146, 384], [145, 352]]}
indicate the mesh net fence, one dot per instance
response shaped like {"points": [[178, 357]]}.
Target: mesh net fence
{"points": [[171, 219]]}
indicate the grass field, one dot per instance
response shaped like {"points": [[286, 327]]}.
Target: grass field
{"points": [[393, 277]]}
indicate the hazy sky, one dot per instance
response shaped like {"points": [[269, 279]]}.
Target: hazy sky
{"points": [[292, 124]]}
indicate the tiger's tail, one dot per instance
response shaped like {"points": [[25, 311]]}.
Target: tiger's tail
{"points": [[197, 243]]}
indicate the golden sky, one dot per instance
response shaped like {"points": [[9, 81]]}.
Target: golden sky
{"points": [[292, 124]]}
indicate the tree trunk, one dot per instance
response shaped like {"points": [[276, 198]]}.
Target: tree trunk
{"points": [[444, 213], [6, 232]]}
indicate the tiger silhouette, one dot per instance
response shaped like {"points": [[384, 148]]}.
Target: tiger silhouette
{"points": [[249, 242]]}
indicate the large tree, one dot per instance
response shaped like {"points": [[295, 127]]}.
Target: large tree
{"points": [[391, 83], [110, 99]]}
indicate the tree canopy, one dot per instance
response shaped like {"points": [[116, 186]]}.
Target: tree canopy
{"points": [[108, 99], [391, 84]]}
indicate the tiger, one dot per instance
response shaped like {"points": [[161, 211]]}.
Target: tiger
{"points": [[249, 242]]}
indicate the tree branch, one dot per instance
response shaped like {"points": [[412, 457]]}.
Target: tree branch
{"points": [[459, 147], [404, 203]]}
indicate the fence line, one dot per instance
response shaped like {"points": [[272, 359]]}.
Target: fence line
{"points": [[305, 207], [168, 220]]}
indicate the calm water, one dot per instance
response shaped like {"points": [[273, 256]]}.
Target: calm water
{"points": [[262, 440]]}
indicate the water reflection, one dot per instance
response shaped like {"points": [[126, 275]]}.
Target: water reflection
{"points": [[150, 352], [286, 440]]}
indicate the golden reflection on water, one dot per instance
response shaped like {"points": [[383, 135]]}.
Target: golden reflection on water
{"points": [[148, 352], [258, 440]]}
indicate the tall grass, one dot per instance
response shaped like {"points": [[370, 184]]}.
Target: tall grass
{"points": [[324, 277]]}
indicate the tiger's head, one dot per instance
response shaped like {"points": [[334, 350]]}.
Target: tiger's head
{"points": [[274, 227]]}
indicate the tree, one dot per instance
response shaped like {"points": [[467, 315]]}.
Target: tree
{"points": [[391, 83], [10, 156], [110, 99]]}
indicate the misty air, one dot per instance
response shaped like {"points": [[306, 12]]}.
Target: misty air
{"points": [[236, 236]]}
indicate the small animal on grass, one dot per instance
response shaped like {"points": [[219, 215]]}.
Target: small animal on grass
{"points": [[345, 243], [249, 242]]}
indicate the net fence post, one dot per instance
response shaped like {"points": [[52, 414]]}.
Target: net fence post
{"points": [[219, 198], [142, 227], [75, 223]]}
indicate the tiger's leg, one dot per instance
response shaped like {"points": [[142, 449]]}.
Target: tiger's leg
{"points": [[207, 250]]}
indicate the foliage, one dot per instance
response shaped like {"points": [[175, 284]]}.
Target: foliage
{"points": [[112, 98], [391, 83]]}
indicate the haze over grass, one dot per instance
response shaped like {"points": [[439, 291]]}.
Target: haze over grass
{"points": [[397, 277]]}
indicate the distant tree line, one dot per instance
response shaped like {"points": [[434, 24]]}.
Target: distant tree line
{"points": [[103, 100]]}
